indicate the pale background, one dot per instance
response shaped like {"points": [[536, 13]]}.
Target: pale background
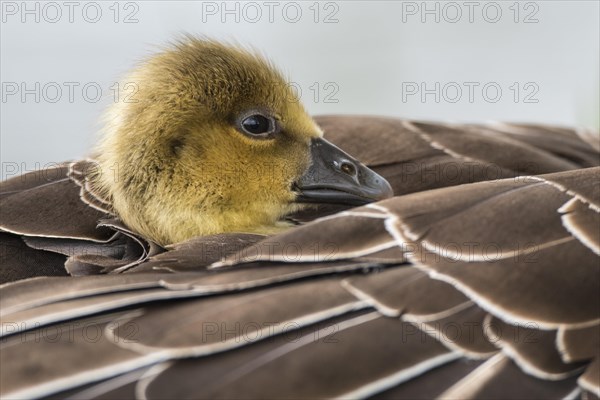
{"points": [[367, 53]]}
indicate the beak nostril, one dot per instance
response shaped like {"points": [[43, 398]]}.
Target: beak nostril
{"points": [[348, 168]]}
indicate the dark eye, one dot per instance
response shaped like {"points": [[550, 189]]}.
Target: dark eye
{"points": [[258, 124]]}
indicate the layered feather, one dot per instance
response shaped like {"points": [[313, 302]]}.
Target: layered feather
{"points": [[465, 286]]}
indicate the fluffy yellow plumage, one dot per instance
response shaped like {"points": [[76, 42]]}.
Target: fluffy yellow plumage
{"points": [[174, 162]]}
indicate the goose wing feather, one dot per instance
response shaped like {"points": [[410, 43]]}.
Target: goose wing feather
{"points": [[357, 304]]}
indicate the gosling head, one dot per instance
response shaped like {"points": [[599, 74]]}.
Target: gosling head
{"points": [[215, 140]]}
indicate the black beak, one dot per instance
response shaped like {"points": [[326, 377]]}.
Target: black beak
{"points": [[336, 177]]}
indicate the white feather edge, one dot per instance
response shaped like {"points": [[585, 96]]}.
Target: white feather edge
{"points": [[280, 351], [399, 377], [522, 362], [573, 229], [162, 292], [150, 355], [507, 316]]}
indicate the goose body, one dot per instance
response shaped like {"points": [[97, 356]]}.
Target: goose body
{"points": [[479, 279]]}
